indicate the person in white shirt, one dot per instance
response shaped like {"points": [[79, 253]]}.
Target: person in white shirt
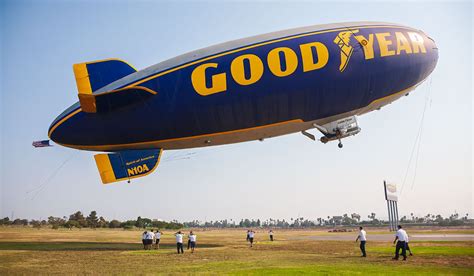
{"points": [[362, 237], [158, 234], [149, 239], [179, 242], [251, 236], [192, 241], [400, 239], [270, 233]]}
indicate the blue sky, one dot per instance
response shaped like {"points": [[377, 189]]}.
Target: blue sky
{"points": [[281, 177]]}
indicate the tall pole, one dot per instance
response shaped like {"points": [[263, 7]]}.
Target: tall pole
{"points": [[389, 216], [394, 215], [396, 212], [388, 206]]}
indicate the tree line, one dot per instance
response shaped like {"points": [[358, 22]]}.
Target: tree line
{"points": [[78, 220], [353, 219]]}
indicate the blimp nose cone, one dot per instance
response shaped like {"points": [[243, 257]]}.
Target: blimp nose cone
{"points": [[436, 54], [434, 47], [431, 52]]}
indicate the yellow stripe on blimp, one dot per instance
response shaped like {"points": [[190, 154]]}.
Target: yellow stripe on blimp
{"points": [[120, 146], [262, 44], [63, 120]]}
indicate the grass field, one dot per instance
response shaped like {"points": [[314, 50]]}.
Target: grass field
{"points": [[47, 251]]}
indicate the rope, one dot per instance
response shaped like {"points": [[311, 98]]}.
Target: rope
{"points": [[198, 153], [41, 187], [417, 143], [421, 134]]}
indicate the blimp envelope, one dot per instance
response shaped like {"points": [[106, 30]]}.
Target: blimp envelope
{"points": [[255, 88], [127, 164]]}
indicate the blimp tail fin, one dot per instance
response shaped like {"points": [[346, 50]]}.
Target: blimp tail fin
{"points": [[93, 75], [125, 165], [111, 100]]}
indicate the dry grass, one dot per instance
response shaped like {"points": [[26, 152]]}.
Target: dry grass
{"points": [[46, 251]]}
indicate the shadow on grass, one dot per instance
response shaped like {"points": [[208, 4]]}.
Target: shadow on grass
{"points": [[84, 246]]}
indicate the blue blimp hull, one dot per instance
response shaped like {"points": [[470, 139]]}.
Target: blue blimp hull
{"points": [[248, 89]]}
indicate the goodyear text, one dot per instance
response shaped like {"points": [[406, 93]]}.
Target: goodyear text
{"points": [[313, 56]]}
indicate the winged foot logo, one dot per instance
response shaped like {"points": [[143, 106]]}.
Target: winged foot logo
{"points": [[343, 40]]}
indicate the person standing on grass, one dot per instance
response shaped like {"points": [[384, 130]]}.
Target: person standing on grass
{"points": [[248, 235], [144, 239], [157, 239], [179, 242], [362, 238], [400, 239], [149, 239], [270, 233], [251, 236], [189, 239], [192, 241]]}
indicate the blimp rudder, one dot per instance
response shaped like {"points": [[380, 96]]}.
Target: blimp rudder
{"points": [[127, 164], [91, 76]]}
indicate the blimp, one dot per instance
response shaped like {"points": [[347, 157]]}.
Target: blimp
{"points": [[311, 78]]}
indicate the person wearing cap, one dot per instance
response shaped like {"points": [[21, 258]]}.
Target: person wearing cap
{"points": [[362, 237]]}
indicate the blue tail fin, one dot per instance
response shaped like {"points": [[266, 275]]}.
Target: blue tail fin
{"points": [[93, 75], [128, 164]]}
